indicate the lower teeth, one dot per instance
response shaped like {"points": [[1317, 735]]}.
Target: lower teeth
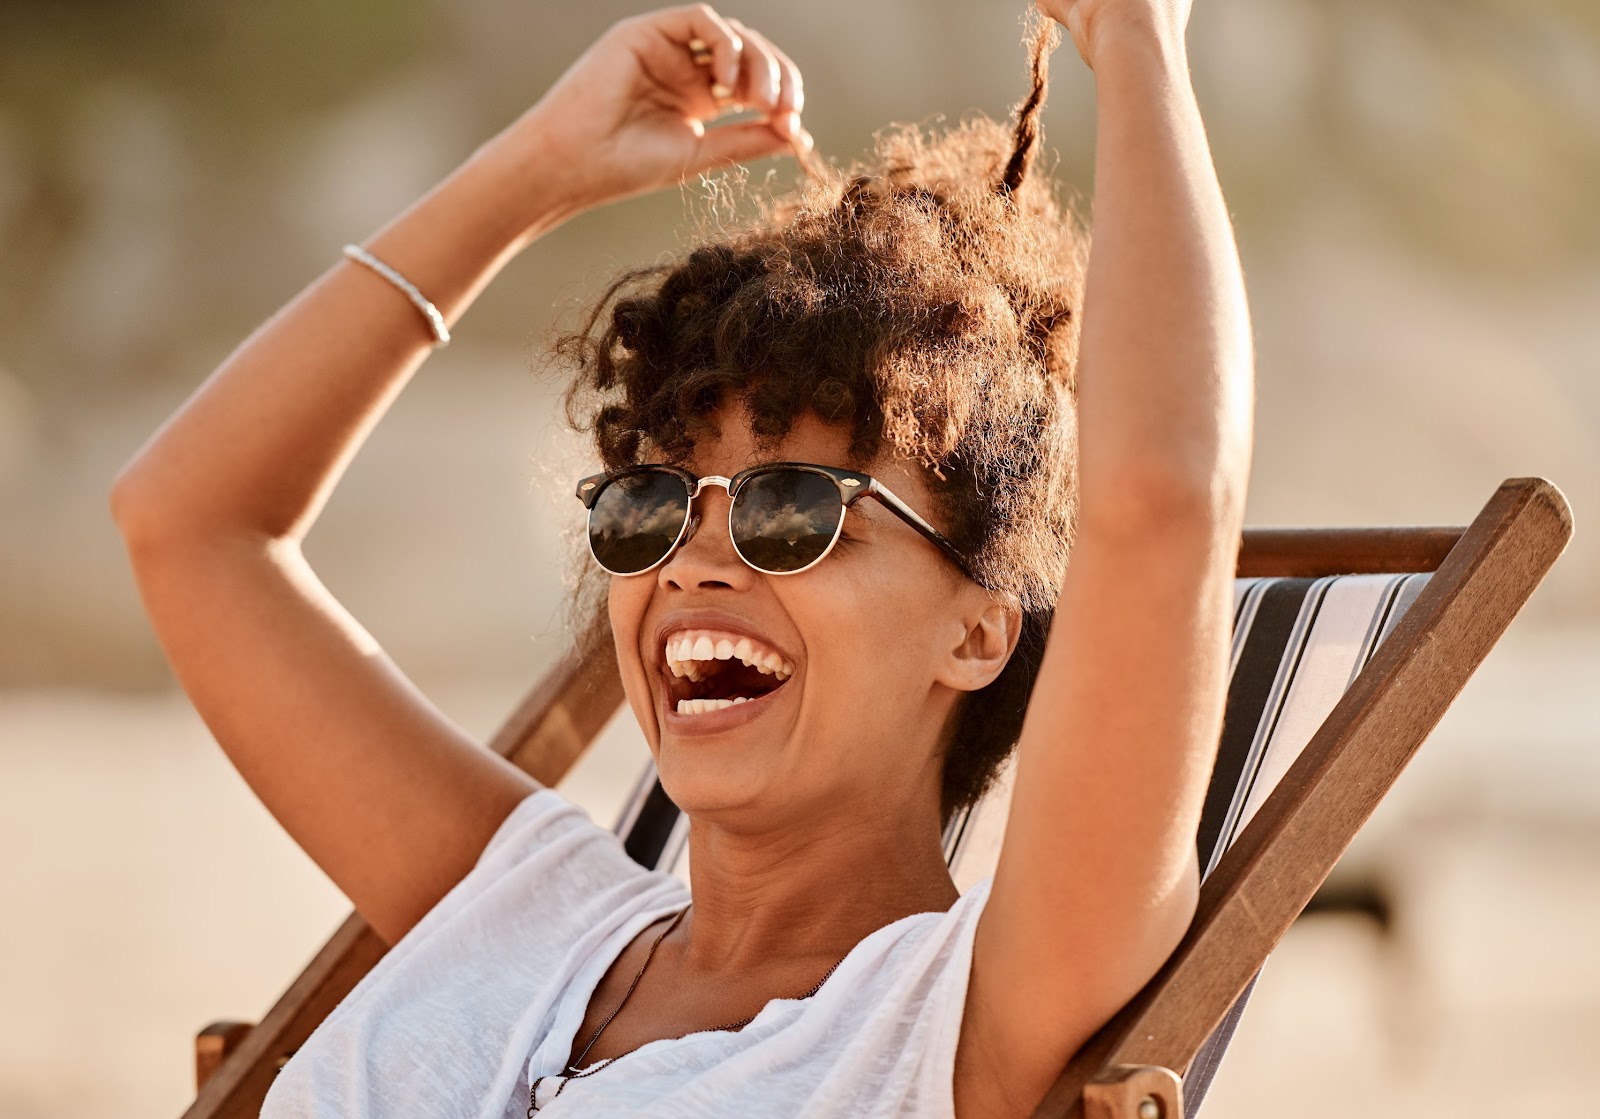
{"points": [[701, 706]]}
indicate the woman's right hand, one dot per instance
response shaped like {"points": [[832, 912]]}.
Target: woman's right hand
{"points": [[629, 116]]}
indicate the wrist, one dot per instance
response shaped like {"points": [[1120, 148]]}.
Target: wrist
{"points": [[522, 168], [1134, 42], [453, 240]]}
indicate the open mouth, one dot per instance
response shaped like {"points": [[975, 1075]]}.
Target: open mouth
{"points": [[709, 670]]}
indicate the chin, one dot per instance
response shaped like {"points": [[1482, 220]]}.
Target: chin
{"points": [[719, 783]]}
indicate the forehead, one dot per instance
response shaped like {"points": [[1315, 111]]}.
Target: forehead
{"points": [[731, 445]]}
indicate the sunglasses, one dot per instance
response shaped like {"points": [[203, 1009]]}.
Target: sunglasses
{"points": [[783, 517]]}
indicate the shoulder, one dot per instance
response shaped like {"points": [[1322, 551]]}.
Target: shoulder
{"points": [[547, 876], [547, 879], [549, 849], [540, 819]]}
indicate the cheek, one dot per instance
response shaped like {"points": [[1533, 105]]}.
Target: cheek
{"points": [[626, 603], [913, 624], [874, 632]]}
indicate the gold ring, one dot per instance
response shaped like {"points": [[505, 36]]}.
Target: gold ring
{"points": [[700, 52]]}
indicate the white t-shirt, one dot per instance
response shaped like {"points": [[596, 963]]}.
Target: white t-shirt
{"points": [[502, 969]]}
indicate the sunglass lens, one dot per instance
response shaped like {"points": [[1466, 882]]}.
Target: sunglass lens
{"points": [[785, 520], [636, 520]]}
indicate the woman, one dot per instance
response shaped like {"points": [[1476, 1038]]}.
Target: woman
{"points": [[820, 685]]}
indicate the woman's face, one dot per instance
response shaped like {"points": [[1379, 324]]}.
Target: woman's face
{"points": [[865, 653]]}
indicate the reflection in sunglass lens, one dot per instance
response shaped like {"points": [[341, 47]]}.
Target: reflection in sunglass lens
{"points": [[636, 520], [785, 519]]}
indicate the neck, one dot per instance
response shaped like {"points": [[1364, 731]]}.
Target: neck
{"points": [[810, 892]]}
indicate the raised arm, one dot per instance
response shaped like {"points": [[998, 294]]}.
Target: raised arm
{"points": [[390, 798], [1097, 877]]}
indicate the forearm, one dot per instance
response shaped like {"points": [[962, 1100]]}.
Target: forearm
{"points": [[259, 446], [1166, 381]]}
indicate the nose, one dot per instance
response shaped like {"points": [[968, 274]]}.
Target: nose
{"points": [[706, 559]]}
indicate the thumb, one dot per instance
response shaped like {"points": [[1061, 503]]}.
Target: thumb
{"points": [[738, 143]]}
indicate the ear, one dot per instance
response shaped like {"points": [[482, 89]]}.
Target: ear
{"points": [[988, 630]]}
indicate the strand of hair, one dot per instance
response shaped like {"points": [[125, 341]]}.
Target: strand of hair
{"points": [[1044, 38]]}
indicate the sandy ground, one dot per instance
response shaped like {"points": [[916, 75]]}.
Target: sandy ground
{"points": [[146, 893]]}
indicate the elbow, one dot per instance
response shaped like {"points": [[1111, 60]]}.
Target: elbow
{"points": [[131, 511], [1170, 920], [121, 501], [1154, 500], [152, 524], [142, 517], [1196, 474]]}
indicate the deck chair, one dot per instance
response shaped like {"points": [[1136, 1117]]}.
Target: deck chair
{"points": [[1349, 644]]}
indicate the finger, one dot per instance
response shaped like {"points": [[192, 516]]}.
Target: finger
{"points": [[701, 21], [792, 93], [761, 78], [785, 114]]}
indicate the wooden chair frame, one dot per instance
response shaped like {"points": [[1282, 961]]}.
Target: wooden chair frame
{"points": [[1482, 575]]}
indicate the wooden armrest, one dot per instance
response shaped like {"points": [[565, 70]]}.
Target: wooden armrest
{"points": [[1134, 1092], [212, 1046]]}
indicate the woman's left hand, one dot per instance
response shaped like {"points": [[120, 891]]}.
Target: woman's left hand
{"points": [[1091, 21]]}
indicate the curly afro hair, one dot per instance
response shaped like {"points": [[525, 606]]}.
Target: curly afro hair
{"points": [[927, 298]]}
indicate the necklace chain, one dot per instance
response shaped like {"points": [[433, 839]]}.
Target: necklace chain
{"points": [[571, 1072]]}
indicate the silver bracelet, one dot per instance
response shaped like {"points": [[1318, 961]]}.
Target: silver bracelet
{"points": [[429, 311]]}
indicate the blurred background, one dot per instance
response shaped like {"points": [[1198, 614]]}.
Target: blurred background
{"points": [[1413, 186]]}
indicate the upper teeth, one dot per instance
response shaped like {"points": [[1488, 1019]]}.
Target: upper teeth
{"points": [[689, 652]]}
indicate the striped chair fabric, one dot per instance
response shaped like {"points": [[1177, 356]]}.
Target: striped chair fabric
{"points": [[1298, 643]]}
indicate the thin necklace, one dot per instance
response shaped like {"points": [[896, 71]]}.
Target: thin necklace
{"points": [[571, 1072]]}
